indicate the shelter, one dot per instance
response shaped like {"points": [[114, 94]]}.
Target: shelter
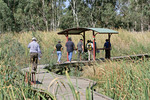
{"points": [[81, 31]]}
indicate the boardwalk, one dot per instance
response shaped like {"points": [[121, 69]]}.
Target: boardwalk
{"points": [[103, 59], [57, 84]]}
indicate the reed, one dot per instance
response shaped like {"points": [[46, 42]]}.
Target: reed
{"points": [[122, 80], [118, 80], [125, 43]]}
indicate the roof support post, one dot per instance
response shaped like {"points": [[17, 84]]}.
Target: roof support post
{"points": [[109, 53], [67, 41], [93, 46], [84, 40]]}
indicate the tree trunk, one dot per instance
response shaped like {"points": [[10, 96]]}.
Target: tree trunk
{"points": [[142, 20], [142, 23], [73, 6], [135, 22], [149, 24], [52, 23], [44, 18]]}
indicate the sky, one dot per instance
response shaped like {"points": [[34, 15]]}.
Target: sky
{"points": [[67, 3]]}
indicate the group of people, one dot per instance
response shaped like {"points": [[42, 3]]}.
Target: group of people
{"points": [[80, 48], [71, 47], [35, 50]]}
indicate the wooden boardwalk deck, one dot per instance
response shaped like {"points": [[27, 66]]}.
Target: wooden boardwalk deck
{"points": [[59, 68], [131, 56], [103, 59], [49, 81], [52, 82]]}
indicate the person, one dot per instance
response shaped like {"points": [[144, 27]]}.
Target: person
{"points": [[59, 49], [80, 49], [90, 49], [107, 47], [70, 47], [34, 51], [85, 49]]}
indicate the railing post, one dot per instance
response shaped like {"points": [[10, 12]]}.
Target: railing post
{"points": [[66, 42], [109, 53], [84, 41]]}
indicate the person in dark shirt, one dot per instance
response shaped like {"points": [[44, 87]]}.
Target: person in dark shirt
{"points": [[70, 47], [80, 49], [85, 49], [59, 49], [107, 47]]}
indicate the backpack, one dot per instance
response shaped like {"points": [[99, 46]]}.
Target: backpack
{"points": [[89, 46]]}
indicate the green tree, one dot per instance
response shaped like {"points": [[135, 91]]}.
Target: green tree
{"points": [[6, 21]]}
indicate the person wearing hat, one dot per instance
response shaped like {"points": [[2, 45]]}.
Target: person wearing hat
{"points": [[59, 49], [107, 47], [34, 51], [70, 47]]}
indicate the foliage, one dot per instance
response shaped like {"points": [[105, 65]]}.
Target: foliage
{"points": [[118, 80], [12, 51], [14, 46], [121, 80], [12, 79], [49, 15]]}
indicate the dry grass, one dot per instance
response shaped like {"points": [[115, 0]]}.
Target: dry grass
{"points": [[125, 43], [118, 80], [121, 80]]}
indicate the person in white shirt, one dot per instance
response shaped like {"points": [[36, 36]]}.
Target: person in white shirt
{"points": [[34, 51], [90, 49]]}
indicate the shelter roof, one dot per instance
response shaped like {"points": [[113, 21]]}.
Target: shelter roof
{"points": [[78, 31]]}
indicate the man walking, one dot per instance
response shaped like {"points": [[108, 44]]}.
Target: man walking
{"points": [[80, 49], [59, 49], [107, 47], [70, 47], [34, 50]]}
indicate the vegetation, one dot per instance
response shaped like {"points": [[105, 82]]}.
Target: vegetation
{"points": [[122, 80], [125, 79], [118, 80], [48, 15], [13, 86], [125, 43]]}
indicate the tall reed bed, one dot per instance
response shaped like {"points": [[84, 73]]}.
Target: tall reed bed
{"points": [[125, 43], [13, 57], [118, 80], [12, 83], [122, 80]]}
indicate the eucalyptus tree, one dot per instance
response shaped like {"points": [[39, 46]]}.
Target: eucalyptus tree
{"points": [[135, 14], [56, 13], [92, 13], [47, 15], [6, 16]]}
